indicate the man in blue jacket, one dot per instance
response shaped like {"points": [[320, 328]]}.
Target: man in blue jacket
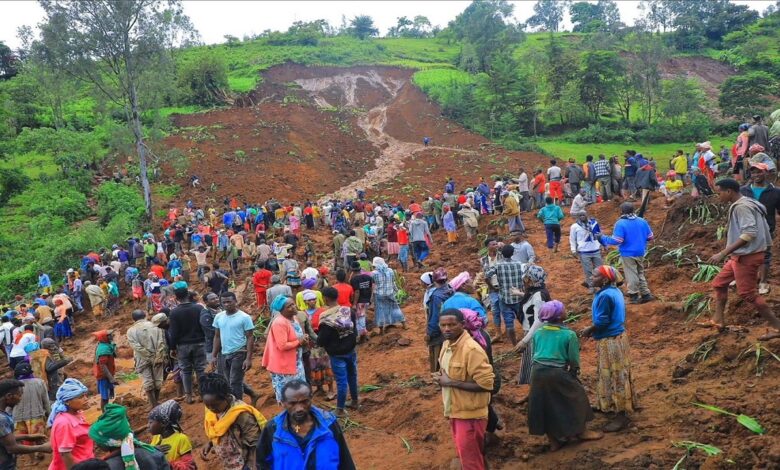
{"points": [[302, 437], [631, 235], [433, 337]]}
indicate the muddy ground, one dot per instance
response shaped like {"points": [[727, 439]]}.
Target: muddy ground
{"points": [[376, 144]]}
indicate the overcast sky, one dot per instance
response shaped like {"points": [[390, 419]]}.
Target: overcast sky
{"points": [[214, 19]]}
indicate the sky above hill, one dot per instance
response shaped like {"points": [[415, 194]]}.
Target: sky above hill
{"points": [[215, 19]]}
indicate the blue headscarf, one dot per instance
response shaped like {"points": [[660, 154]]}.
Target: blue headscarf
{"points": [[69, 390], [279, 302]]}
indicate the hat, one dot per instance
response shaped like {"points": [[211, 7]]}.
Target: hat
{"points": [[102, 335], [309, 295], [159, 318], [276, 279], [440, 274], [760, 166], [460, 279], [180, 285], [324, 270], [427, 278]]}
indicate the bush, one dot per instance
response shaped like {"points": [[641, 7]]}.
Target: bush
{"points": [[204, 80], [694, 130], [115, 200], [53, 199], [12, 181]]}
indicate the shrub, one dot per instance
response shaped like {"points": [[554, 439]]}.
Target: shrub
{"points": [[12, 181], [116, 200], [53, 200], [204, 80], [597, 134]]}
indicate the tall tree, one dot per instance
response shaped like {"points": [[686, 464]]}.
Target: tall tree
{"points": [[647, 52], [8, 62], [111, 45], [658, 14], [591, 17], [747, 94], [599, 74], [362, 27], [483, 26], [561, 70], [548, 14], [681, 97]]}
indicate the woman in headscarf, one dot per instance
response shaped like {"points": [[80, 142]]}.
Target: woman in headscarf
{"points": [[30, 413], [615, 389], [319, 374], [557, 404], [535, 294], [449, 225], [97, 298], [308, 284], [740, 151], [387, 311], [232, 427], [475, 325], [112, 433], [462, 298], [166, 431], [70, 441], [283, 355]]}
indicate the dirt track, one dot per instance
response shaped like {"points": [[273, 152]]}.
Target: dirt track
{"points": [[386, 112]]}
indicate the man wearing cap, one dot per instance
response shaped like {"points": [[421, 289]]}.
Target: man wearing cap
{"points": [[149, 352], [186, 337], [433, 337], [747, 240], [768, 195]]}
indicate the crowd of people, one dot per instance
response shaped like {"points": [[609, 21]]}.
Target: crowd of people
{"points": [[312, 309]]}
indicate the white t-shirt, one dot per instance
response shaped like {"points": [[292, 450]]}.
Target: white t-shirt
{"points": [[554, 173], [18, 349]]}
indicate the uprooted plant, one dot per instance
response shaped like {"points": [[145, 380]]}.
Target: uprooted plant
{"points": [[706, 272], [677, 254], [703, 350], [758, 349], [695, 305], [690, 447], [745, 420]]}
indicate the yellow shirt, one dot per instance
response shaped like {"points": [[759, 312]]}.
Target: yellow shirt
{"points": [[680, 164], [179, 442], [675, 186]]}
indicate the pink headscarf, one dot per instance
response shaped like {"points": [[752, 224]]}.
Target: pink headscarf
{"points": [[459, 280], [474, 324], [552, 311]]}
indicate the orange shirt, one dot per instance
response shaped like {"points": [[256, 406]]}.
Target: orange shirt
{"points": [[345, 293], [158, 270], [539, 182], [403, 237], [415, 208]]}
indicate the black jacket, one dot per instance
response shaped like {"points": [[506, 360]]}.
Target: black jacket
{"points": [[328, 338], [770, 198], [184, 324]]}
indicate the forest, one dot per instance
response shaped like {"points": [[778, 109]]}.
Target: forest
{"points": [[87, 98]]}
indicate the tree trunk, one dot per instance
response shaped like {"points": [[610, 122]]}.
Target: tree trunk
{"points": [[141, 149]]}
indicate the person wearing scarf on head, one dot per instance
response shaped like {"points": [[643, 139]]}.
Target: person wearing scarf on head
{"points": [[475, 324], [337, 334], [283, 354], [557, 403], [104, 366], [112, 433], [615, 391], [30, 413], [70, 441], [387, 311], [535, 294], [462, 298], [308, 285], [165, 429]]}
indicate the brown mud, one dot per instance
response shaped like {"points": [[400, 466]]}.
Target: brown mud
{"points": [[401, 425]]}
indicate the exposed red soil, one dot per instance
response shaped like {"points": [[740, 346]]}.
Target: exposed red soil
{"points": [[668, 376], [709, 73]]}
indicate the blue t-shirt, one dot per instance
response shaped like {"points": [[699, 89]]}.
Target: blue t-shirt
{"points": [[631, 167], [757, 191], [232, 330], [631, 236], [609, 313]]}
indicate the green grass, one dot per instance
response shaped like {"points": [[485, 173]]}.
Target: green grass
{"points": [[170, 110], [660, 152], [31, 164]]}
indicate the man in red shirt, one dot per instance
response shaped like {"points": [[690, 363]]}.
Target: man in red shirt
{"points": [[261, 280], [158, 270], [345, 290], [414, 207]]}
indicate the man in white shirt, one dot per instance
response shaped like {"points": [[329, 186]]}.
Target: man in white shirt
{"points": [[524, 190], [586, 247], [6, 336], [555, 178], [310, 272], [18, 354], [580, 204]]}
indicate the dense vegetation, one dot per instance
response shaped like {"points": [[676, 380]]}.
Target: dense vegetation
{"points": [[73, 105]]}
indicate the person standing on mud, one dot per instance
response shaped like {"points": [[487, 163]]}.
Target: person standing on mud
{"points": [[419, 234], [768, 195], [510, 282], [466, 380], [747, 241], [630, 235], [586, 247], [187, 338], [149, 351], [615, 392]]}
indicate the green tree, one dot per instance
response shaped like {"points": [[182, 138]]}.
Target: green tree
{"points": [[12, 181], [658, 15], [401, 27], [747, 94], [362, 27], [204, 80], [482, 25], [548, 14], [8, 62], [647, 52], [592, 17], [698, 24], [599, 74], [682, 97], [561, 68], [111, 45]]}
